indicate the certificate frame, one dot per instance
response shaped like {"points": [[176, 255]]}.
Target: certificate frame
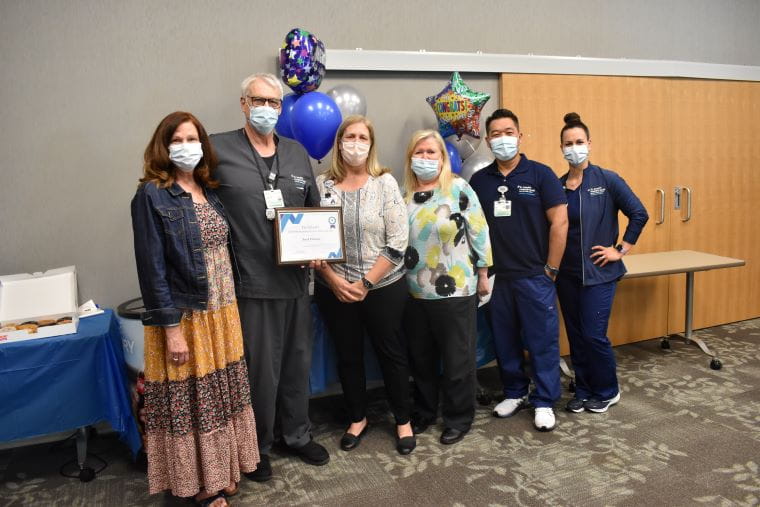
{"points": [[328, 221]]}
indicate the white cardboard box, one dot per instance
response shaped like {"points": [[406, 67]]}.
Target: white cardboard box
{"points": [[26, 297]]}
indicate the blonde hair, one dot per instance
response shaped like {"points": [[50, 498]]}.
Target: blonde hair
{"points": [[410, 179], [337, 171]]}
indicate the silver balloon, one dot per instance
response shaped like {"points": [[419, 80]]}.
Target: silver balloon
{"points": [[475, 163], [466, 145], [349, 100]]}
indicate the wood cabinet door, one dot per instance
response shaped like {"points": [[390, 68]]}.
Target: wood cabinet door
{"points": [[716, 154], [631, 133]]}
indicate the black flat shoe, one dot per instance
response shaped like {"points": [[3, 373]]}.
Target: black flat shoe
{"points": [[405, 445], [312, 453], [350, 441], [452, 436], [263, 471]]}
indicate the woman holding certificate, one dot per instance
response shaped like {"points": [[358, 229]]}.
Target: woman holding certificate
{"points": [[367, 293], [447, 269]]}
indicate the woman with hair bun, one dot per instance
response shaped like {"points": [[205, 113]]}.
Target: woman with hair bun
{"points": [[592, 265]]}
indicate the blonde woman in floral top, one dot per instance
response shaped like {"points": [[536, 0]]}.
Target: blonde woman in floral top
{"points": [[367, 293], [447, 264]]}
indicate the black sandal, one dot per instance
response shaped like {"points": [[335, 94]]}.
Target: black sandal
{"points": [[206, 502]]}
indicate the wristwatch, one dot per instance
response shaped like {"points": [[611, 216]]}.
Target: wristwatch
{"points": [[551, 269], [367, 284], [620, 249]]}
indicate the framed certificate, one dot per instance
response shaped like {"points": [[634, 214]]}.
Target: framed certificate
{"points": [[307, 234]]}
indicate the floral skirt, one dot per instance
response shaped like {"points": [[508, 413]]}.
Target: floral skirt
{"points": [[200, 429]]}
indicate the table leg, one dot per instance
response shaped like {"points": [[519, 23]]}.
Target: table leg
{"points": [[689, 314], [688, 336], [565, 369], [81, 446], [86, 474]]}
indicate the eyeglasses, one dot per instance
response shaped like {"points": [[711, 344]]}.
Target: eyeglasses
{"points": [[263, 101]]}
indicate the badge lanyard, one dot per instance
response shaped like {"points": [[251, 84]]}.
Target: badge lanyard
{"points": [[272, 194], [328, 199], [502, 207]]}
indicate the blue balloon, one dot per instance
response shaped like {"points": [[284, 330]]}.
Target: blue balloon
{"points": [[314, 120], [283, 122], [456, 160]]}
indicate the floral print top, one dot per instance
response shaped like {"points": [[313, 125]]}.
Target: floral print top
{"points": [[448, 241]]}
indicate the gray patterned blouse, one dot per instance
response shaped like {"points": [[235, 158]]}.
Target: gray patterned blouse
{"points": [[374, 223]]}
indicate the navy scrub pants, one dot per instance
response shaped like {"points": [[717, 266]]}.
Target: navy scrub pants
{"points": [[524, 317], [586, 311]]}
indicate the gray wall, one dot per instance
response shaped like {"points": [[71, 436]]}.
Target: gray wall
{"points": [[84, 83]]}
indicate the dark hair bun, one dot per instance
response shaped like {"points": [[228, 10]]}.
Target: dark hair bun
{"points": [[572, 118]]}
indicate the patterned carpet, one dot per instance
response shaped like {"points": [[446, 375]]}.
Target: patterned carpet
{"points": [[683, 434]]}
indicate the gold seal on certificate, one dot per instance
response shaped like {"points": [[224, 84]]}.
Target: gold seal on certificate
{"points": [[307, 234]]}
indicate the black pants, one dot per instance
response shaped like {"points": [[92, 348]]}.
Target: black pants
{"points": [[277, 337], [443, 331], [380, 316]]}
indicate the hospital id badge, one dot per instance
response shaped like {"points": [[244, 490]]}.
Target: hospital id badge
{"points": [[502, 208], [274, 198]]}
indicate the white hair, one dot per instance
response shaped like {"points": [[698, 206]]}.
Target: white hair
{"points": [[270, 79]]}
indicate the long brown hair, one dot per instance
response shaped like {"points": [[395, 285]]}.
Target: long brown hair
{"points": [[158, 169]]}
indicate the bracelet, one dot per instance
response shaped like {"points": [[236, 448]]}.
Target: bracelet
{"points": [[551, 269]]}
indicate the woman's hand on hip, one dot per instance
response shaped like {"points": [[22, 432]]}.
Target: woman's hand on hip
{"points": [[603, 254], [176, 346]]}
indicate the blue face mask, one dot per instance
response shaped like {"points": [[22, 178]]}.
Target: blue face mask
{"points": [[504, 147], [263, 119], [426, 169]]}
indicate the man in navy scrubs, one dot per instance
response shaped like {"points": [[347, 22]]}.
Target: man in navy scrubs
{"points": [[526, 210]]}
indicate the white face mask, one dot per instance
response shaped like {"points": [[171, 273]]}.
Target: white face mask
{"points": [[185, 155], [354, 153], [504, 147], [263, 119], [576, 154]]}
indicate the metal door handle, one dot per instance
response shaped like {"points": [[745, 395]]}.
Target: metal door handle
{"points": [[661, 219], [688, 205]]}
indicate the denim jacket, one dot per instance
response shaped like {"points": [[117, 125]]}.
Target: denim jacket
{"points": [[169, 252], [603, 194]]}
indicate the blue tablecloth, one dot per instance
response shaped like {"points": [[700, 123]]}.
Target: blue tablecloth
{"points": [[61, 383], [324, 364]]}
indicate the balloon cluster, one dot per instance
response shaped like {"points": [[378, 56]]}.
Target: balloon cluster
{"points": [[457, 108], [310, 117]]}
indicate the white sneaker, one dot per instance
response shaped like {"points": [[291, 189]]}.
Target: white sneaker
{"points": [[543, 419], [509, 407]]}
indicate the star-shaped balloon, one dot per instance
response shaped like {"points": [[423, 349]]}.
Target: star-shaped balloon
{"points": [[458, 107]]}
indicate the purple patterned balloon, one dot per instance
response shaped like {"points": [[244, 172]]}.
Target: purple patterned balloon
{"points": [[302, 61]]}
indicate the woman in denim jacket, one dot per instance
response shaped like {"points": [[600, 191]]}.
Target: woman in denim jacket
{"points": [[592, 265], [200, 430]]}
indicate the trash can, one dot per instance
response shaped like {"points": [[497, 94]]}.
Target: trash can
{"points": [[133, 343]]}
